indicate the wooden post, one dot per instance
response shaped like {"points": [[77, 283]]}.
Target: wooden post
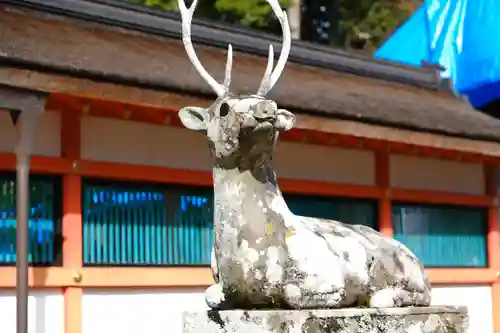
{"points": [[382, 176], [25, 107], [493, 240], [72, 220]]}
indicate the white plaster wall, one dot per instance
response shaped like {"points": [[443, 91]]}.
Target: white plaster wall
{"points": [[45, 311], [123, 141], [47, 137], [151, 311], [131, 311], [139, 143], [478, 299], [434, 174], [323, 163]]}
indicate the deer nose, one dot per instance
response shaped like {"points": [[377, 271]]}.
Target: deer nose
{"points": [[265, 111]]}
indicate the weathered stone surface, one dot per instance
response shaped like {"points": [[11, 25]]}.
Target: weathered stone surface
{"points": [[266, 257], [351, 320]]}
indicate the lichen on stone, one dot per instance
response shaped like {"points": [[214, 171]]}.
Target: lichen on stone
{"points": [[410, 320]]}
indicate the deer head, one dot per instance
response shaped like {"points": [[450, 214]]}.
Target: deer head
{"points": [[238, 126]]}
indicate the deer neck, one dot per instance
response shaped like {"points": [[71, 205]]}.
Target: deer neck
{"points": [[248, 203]]}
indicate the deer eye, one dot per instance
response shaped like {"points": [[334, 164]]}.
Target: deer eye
{"points": [[224, 110]]}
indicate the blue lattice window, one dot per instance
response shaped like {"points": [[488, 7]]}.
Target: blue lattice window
{"points": [[44, 225], [131, 224], [443, 236], [353, 211]]}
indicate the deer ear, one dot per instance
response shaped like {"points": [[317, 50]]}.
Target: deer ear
{"points": [[194, 118], [285, 120]]}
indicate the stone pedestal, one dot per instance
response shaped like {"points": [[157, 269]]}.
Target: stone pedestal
{"points": [[353, 320]]}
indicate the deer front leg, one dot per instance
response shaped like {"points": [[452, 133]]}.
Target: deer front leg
{"points": [[214, 266], [214, 295]]}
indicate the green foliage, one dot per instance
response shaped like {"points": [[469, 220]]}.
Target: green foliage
{"points": [[377, 19], [163, 4], [370, 21], [255, 13], [252, 13]]}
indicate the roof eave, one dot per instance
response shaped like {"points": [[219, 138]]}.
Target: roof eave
{"points": [[166, 24]]}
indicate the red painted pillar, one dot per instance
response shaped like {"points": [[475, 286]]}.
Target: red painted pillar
{"points": [[382, 178], [72, 220]]}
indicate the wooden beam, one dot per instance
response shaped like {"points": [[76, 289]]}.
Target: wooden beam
{"points": [[145, 173], [311, 135], [183, 277], [84, 89], [39, 164]]}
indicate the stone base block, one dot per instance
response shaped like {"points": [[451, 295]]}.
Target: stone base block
{"points": [[394, 320]]}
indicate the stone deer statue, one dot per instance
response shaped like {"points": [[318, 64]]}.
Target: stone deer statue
{"points": [[264, 256]]}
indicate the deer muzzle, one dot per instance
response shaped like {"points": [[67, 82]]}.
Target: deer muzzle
{"points": [[265, 111]]}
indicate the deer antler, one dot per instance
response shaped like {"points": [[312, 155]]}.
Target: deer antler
{"points": [[187, 17], [271, 76]]}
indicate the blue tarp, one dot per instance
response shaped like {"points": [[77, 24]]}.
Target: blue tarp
{"points": [[460, 35], [410, 43]]}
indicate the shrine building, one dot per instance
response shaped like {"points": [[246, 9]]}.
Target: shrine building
{"points": [[120, 224]]}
